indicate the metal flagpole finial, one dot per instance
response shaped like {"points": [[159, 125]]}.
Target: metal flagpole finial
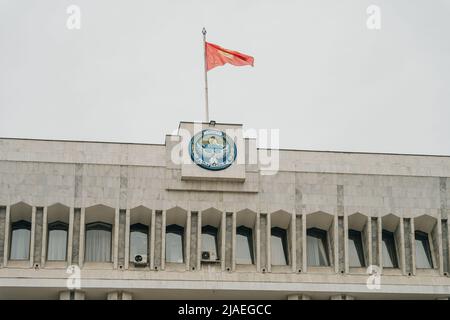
{"points": [[204, 31]]}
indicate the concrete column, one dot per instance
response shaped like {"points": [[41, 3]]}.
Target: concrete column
{"points": [[7, 235], [379, 242], [304, 243], [438, 239], [187, 241], [82, 237], [268, 242], [344, 263], [228, 241], [293, 239], [233, 242], [402, 246], [127, 239], [152, 240], [70, 236], [368, 241], [412, 239], [2, 234], [199, 239], [121, 239], [258, 242], [223, 236], [116, 239], [38, 234], [163, 240], [44, 237], [336, 244], [33, 231]]}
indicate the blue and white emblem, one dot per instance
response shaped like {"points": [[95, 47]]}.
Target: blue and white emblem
{"points": [[212, 149]]}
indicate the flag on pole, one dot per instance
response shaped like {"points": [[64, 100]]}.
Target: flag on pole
{"points": [[217, 56]]}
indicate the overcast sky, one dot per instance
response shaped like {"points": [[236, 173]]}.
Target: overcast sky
{"points": [[135, 69]]}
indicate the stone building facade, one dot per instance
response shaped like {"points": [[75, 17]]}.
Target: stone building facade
{"points": [[318, 225]]}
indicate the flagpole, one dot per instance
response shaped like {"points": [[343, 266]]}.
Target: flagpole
{"points": [[206, 76]]}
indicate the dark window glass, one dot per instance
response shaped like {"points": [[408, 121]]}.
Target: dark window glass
{"points": [[423, 251], [355, 249], [317, 247], [279, 248], [20, 240], [57, 241], [389, 250], [174, 243], [138, 240], [209, 240], [98, 242], [244, 245]]}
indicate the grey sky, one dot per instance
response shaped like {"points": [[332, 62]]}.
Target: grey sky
{"points": [[135, 69]]}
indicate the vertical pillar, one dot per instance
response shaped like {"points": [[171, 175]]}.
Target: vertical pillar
{"points": [[258, 242], [223, 236], [44, 237], [299, 241], [2, 234], [7, 234], [293, 232], [122, 216], [228, 241], [187, 241], [268, 243], [304, 243], [126, 261], [152, 240], [38, 233], [233, 242], [82, 237], [70, 237], [76, 231], [116, 239], [163, 240], [33, 234]]}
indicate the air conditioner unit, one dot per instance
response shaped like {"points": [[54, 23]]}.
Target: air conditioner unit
{"points": [[140, 260], [209, 256]]}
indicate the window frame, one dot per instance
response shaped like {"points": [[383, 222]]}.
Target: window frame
{"points": [[323, 236], [143, 228], [424, 238], [179, 230], [20, 225], [357, 237], [213, 231], [102, 226], [283, 234], [391, 235], [57, 225], [248, 233]]}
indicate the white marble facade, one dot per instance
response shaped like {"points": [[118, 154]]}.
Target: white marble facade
{"points": [[122, 182]]}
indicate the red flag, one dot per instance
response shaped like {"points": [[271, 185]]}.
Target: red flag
{"points": [[217, 56]]}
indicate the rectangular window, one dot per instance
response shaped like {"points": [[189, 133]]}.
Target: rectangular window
{"points": [[57, 241], [20, 240], [317, 247], [244, 245], [389, 250], [355, 249], [423, 251], [279, 248], [98, 242]]}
